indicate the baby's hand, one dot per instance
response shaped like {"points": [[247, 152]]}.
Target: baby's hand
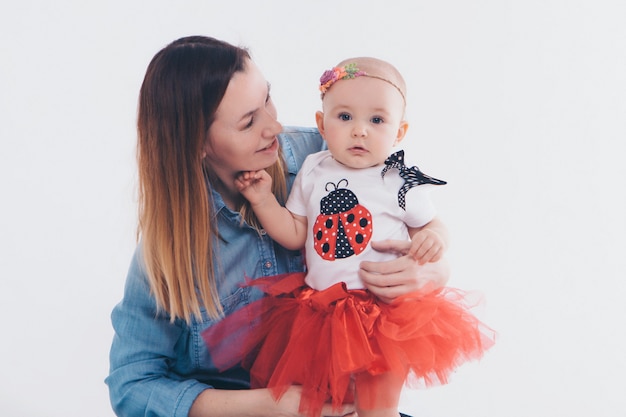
{"points": [[427, 246], [254, 185]]}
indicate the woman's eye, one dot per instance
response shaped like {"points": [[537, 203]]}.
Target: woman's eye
{"points": [[344, 116], [269, 96], [249, 124]]}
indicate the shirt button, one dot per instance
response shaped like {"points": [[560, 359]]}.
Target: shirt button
{"points": [[268, 264], [263, 232]]}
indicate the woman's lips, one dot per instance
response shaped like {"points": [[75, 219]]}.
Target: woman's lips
{"points": [[271, 147]]}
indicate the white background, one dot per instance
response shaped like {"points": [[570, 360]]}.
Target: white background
{"points": [[520, 105]]}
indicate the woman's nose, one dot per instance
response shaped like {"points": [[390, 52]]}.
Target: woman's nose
{"points": [[273, 127]]}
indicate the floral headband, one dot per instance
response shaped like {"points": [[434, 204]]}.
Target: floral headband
{"points": [[349, 71], [331, 76]]}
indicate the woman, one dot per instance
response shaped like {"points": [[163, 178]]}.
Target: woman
{"points": [[205, 115]]}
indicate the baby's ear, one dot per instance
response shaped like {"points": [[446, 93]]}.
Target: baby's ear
{"points": [[404, 126], [319, 119]]}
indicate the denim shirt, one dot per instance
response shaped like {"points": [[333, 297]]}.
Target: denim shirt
{"points": [[158, 367]]}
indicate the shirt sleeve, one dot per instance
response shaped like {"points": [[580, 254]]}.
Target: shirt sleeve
{"points": [[296, 203], [419, 206], [302, 189], [142, 351]]}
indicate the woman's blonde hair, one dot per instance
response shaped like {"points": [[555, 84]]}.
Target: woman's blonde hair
{"points": [[184, 84]]}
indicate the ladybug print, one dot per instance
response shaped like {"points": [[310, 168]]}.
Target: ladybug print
{"points": [[344, 227]]}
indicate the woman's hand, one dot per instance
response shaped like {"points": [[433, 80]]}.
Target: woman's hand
{"points": [[257, 402], [391, 279], [289, 404]]}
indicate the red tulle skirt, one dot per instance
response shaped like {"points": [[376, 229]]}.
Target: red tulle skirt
{"points": [[322, 339]]}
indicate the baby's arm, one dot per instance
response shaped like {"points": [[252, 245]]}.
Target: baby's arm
{"points": [[288, 229], [429, 242]]}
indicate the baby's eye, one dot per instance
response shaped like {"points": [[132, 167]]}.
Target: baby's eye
{"points": [[345, 116], [377, 120]]}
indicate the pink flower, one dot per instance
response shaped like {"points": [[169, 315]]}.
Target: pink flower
{"points": [[328, 75], [331, 76]]}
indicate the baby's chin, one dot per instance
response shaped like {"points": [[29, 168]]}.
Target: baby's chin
{"points": [[359, 162]]}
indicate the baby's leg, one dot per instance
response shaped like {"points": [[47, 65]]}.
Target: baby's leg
{"points": [[378, 395]]}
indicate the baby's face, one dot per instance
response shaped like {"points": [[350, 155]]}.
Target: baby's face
{"points": [[362, 121]]}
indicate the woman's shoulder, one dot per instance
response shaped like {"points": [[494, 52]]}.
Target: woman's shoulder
{"points": [[299, 142], [300, 133]]}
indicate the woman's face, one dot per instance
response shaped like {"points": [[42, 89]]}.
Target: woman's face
{"points": [[243, 134]]}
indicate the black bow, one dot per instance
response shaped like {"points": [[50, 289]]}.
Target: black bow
{"points": [[412, 176]]}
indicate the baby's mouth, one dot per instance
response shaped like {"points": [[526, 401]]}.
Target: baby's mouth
{"points": [[358, 149]]}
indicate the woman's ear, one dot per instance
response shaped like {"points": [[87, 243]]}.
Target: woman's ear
{"points": [[404, 126], [319, 119], [205, 147]]}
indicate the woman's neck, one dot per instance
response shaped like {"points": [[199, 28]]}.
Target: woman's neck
{"points": [[229, 193]]}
